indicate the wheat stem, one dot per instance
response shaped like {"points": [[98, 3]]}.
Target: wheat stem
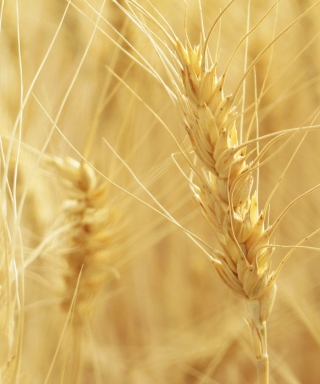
{"points": [[259, 341]]}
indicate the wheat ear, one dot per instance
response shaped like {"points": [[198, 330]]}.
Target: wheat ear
{"points": [[91, 241], [224, 188], [88, 245], [224, 192]]}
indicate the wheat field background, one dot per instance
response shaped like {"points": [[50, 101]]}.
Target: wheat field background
{"points": [[75, 83]]}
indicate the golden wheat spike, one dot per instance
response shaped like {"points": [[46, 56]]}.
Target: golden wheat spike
{"points": [[224, 186], [90, 244], [225, 192]]}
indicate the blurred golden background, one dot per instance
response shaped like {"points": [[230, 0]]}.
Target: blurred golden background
{"points": [[75, 81]]}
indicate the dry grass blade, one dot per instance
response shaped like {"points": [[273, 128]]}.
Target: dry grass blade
{"points": [[7, 297]]}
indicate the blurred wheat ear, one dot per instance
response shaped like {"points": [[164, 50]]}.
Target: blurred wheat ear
{"points": [[89, 242], [226, 183], [93, 231]]}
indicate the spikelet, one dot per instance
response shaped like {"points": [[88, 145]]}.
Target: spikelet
{"points": [[91, 241]]}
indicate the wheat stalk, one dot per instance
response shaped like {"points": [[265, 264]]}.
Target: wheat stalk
{"points": [[225, 187], [224, 192], [88, 241]]}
